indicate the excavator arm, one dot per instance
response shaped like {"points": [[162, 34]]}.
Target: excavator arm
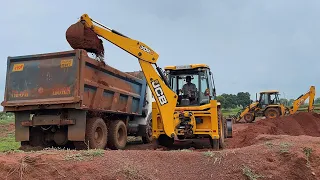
{"points": [[296, 104], [165, 98], [246, 110]]}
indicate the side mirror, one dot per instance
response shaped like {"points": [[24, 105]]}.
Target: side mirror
{"points": [[214, 91], [256, 97]]}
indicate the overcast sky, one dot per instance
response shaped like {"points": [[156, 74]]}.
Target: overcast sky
{"points": [[250, 45]]}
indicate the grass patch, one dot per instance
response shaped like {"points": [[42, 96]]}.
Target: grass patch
{"points": [[84, 155], [6, 118], [131, 172], [307, 152], [284, 147], [216, 157], [227, 112], [182, 150], [8, 143], [269, 144], [250, 174], [208, 154]]}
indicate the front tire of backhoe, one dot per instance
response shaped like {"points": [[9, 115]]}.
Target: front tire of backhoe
{"points": [[249, 117], [272, 113], [221, 130], [117, 137], [165, 141], [215, 144]]}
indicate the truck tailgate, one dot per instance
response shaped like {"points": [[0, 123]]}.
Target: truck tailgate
{"points": [[41, 79]]}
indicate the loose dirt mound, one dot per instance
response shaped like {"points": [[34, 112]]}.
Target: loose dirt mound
{"points": [[285, 157], [302, 123]]}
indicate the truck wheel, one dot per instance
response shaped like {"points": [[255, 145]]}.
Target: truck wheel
{"points": [[36, 138], [147, 137], [272, 113], [249, 117], [96, 133], [165, 140], [117, 135]]}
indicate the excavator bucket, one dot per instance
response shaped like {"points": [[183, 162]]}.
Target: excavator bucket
{"points": [[81, 37]]}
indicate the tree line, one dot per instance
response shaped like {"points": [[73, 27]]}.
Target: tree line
{"points": [[242, 99]]}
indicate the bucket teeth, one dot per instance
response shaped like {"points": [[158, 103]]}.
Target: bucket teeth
{"points": [[82, 37]]}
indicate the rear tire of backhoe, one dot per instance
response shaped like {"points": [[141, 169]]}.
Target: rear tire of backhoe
{"points": [[117, 136], [272, 113], [96, 135]]}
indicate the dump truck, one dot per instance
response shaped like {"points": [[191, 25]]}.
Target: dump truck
{"points": [[70, 99]]}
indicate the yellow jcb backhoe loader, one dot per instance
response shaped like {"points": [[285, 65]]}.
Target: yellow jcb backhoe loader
{"points": [[269, 106], [174, 117]]}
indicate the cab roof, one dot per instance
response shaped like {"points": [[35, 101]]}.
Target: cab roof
{"points": [[269, 91], [189, 66]]}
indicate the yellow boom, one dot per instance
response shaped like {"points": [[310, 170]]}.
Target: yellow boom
{"points": [[300, 100], [165, 98]]}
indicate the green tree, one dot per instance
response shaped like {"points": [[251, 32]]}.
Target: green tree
{"points": [[317, 100], [243, 99], [230, 100], [284, 101], [222, 100], [290, 102]]}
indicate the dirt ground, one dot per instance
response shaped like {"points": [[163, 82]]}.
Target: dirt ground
{"points": [[284, 148]]}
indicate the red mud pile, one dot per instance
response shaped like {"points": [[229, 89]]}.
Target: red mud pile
{"points": [[137, 74], [81, 37], [302, 123]]}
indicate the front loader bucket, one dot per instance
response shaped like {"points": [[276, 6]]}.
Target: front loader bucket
{"points": [[81, 37]]}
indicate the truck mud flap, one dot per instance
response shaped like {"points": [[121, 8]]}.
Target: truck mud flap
{"points": [[21, 132], [77, 131]]}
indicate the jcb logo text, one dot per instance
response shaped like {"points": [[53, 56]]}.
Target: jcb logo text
{"points": [[145, 49], [159, 92]]}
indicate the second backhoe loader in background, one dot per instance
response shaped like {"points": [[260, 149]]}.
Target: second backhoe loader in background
{"points": [[176, 115], [269, 106]]}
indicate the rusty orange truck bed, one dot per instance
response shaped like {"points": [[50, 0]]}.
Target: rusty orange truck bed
{"points": [[68, 98]]}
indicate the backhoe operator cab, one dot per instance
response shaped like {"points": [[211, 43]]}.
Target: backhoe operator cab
{"points": [[193, 84], [268, 105], [269, 98], [197, 113]]}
